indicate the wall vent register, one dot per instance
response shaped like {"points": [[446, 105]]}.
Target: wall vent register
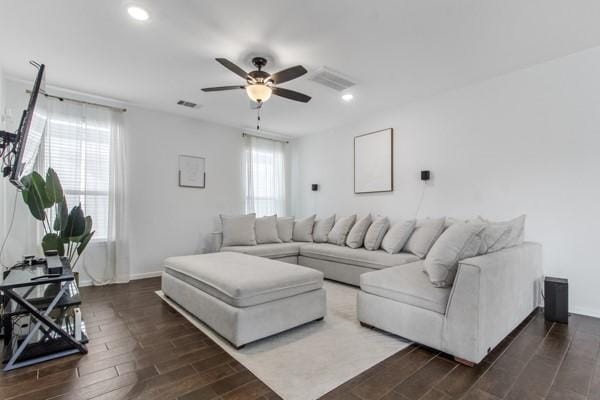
{"points": [[188, 104], [332, 79]]}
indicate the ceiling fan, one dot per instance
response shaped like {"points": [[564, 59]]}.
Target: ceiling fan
{"points": [[260, 85]]}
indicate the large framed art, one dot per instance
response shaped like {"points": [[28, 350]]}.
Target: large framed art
{"points": [[374, 162]]}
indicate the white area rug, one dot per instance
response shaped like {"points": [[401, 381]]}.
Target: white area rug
{"points": [[306, 362]]}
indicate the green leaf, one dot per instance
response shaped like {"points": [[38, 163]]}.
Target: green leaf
{"points": [[75, 224], [52, 241], [84, 242], [88, 229], [34, 195], [54, 190], [62, 214]]}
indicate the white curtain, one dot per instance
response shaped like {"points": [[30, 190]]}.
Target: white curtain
{"points": [[85, 146], [265, 175]]}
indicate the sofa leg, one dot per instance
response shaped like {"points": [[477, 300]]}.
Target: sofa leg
{"points": [[464, 362], [366, 325]]}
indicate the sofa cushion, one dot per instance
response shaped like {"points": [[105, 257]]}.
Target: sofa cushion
{"points": [[303, 229], [376, 232], [356, 236], [285, 228], [242, 280], [322, 228], [424, 236], [265, 229], [459, 241], [238, 230], [500, 235], [269, 250], [406, 284], [397, 236], [340, 230], [359, 257]]}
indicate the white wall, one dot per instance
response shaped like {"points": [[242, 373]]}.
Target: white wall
{"points": [[164, 219], [526, 142], [167, 220]]}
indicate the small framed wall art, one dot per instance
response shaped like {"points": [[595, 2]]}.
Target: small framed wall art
{"points": [[192, 171], [374, 162]]}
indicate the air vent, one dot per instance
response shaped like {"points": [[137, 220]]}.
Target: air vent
{"points": [[332, 79], [187, 104]]}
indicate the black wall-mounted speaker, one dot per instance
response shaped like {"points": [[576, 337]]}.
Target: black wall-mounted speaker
{"points": [[314, 187], [556, 300], [425, 175]]}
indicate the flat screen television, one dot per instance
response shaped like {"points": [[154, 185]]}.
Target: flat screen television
{"points": [[31, 130]]}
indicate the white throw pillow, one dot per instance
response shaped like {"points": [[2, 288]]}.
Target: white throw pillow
{"points": [[356, 237], [340, 230], [265, 229], [303, 229], [459, 241], [424, 236], [500, 235], [322, 229], [376, 232], [395, 238], [285, 228], [238, 230]]}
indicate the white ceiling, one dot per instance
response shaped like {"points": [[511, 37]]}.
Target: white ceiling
{"points": [[396, 51]]}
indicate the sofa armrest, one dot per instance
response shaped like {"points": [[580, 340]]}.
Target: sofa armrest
{"points": [[491, 296]]}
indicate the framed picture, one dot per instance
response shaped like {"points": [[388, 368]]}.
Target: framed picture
{"points": [[374, 162], [192, 171]]}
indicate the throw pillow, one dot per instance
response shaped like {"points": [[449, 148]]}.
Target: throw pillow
{"points": [[395, 239], [340, 230], [303, 229], [356, 237], [459, 241], [376, 232], [285, 228], [265, 229], [500, 235], [322, 229], [424, 236], [238, 230]]}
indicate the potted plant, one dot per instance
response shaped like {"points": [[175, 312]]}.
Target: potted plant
{"points": [[71, 231]]}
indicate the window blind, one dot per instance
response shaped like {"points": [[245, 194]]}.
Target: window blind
{"points": [[77, 146]]}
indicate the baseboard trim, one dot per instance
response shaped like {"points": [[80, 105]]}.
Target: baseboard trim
{"points": [[133, 277], [585, 311], [145, 275]]}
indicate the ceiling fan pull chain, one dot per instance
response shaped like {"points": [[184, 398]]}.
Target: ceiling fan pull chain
{"points": [[258, 118]]}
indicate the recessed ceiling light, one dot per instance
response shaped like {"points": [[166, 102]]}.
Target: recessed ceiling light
{"points": [[138, 13], [347, 97]]}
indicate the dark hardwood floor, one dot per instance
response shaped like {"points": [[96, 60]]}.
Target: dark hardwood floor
{"points": [[140, 348]]}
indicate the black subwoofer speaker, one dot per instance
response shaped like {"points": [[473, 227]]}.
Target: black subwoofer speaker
{"points": [[556, 299]]}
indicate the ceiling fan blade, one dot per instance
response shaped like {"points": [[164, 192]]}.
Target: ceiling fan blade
{"points": [[232, 67], [290, 94], [221, 88], [288, 74]]}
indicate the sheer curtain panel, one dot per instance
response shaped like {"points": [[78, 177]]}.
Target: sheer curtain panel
{"points": [[85, 146], [264, 176]]}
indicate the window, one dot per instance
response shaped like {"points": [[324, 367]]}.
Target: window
{"points": [[77, 145], [264, 170]]}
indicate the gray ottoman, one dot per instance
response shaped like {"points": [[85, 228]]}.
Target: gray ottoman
{"points": [[244, 298]]}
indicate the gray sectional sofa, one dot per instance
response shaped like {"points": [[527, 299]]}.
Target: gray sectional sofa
{"points": [[487, 296]]}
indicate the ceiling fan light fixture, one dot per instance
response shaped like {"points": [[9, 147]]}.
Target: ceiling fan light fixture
{"points": [[259, 92]]}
